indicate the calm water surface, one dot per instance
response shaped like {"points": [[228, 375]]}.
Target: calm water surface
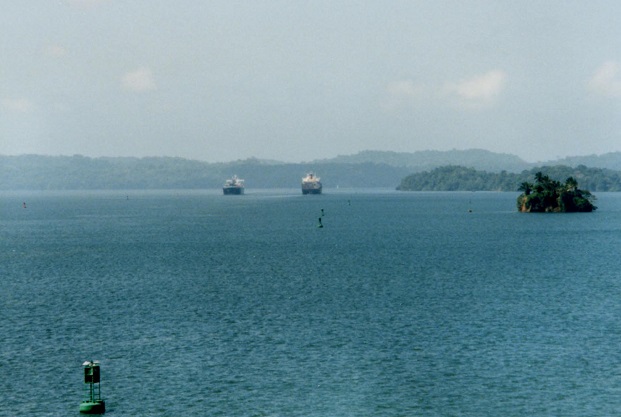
{"points": [[403, 304]]}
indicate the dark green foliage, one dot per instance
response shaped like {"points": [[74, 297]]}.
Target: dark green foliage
{"points": [[456, 178], [548, 195]]}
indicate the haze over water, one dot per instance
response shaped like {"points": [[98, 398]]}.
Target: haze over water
{"points": [[426, 304]]}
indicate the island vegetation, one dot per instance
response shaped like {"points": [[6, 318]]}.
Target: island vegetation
{"points": [[459, 178], [548, 195]]}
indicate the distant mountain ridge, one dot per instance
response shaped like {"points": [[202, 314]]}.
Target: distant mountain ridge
{"points": [[479, 159], [611, 160], [364, 169], [425, 160]]}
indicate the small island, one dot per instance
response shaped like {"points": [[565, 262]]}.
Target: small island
{"points": [[551, 196]]}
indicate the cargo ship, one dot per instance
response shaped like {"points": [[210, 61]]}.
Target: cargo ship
{"points": [[311, 184], [233, 186]]}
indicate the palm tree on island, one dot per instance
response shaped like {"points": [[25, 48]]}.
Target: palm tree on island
{"points": [[550, 196]]}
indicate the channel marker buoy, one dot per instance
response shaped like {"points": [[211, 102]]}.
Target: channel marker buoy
{"points": [[92, 403]]}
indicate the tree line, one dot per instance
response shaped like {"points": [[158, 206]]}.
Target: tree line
{"points": [[37, 172], [77, 172], [458, 178]]}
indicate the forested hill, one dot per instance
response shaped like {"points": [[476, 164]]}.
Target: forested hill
{"points": [[481, 170], [426, 160], [479, 159], [457, 178], [34, 172]]}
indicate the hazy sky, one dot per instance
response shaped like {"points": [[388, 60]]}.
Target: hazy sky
{"points": [[297, 80]]}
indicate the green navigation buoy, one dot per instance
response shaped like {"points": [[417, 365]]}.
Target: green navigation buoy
{"points": [[92, 403]]}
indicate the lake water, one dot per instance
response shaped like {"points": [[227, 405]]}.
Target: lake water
{"points": [[403, 304]]}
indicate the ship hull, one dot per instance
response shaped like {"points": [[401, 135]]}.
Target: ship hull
{"points": [[311, 190], [233, 190]]}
